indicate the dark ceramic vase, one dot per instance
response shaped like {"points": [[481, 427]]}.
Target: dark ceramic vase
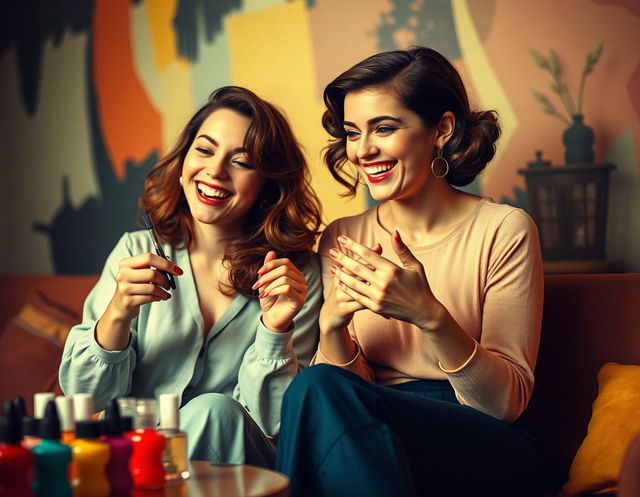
{"points": [[578, 140]]}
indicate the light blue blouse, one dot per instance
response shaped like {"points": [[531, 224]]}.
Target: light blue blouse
{"points": [[240, 357]]}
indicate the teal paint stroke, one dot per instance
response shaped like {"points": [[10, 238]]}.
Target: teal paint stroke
{"points": [[213, 68], [430, 23], [81, 238], [623, 219], [28, 29], [196, 18]]}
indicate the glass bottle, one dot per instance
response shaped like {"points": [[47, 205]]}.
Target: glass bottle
{"points": [[175, 458]]}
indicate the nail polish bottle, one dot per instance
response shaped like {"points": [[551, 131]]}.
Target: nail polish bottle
{"points": [[145, 464], [40, 401], [82, 406], [174, 459], [67, 420], [52, 458], [30, 432], [120, 448], [16, 462], [90, 458]]}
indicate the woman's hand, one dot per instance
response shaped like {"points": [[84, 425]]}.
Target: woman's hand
{"points": [[385, 288], [138, 284], [283, 292], [339, 307]]}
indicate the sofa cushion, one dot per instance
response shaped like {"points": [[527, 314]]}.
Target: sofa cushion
{"points": [[31, 348], [614, 423]]}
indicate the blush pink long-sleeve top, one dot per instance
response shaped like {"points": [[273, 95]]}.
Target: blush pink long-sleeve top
{"points": [[487, 272]]}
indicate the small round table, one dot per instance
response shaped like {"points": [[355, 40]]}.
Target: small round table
{"points": [[224, 480]]}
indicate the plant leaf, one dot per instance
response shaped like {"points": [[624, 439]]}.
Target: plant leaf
{"points": [[540, 61], [553, 63], [555, 87], [539, 97]]}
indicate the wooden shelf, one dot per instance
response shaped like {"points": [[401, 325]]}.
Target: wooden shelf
{"points": [[582, 266]]}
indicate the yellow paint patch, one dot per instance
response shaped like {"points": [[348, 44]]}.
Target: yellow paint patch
{"points": [[177, 101], [161, 13], [488, 87], [271, 53]]}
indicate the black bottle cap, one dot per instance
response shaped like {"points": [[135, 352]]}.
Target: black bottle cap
{"points": [[49, 426], [10, 429], [30, 427], [126, 422], [112, 424], [21, 407], [87, 429]]}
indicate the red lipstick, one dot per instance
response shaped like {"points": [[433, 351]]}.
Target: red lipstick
{"points": [[378, 177], [212, 201]]}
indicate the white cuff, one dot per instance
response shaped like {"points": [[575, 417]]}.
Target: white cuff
{"points": [[324, 359], [464, 365]]}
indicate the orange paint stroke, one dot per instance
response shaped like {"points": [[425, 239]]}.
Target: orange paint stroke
{"points": [[131, 126]]}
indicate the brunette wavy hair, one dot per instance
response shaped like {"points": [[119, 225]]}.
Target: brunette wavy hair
{"points": [[286, 216], [427, 84]]}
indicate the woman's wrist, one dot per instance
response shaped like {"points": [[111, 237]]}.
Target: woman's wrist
{"points": [[434, 319], [276, 328]]}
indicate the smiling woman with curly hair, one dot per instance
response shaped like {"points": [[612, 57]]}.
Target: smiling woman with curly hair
{"points": [[236, 216]]}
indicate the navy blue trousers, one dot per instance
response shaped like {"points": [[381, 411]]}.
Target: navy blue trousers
{"points": [[344, 436]]}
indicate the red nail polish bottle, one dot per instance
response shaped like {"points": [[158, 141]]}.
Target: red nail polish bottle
{"points": [[145, 464], [16, 462]]}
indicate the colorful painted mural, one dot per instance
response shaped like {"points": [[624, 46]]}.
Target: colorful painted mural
{"points": [[93, 92]]}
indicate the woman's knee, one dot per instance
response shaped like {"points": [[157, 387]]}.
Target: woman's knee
{"points": [[215, 407], [319, 380]]}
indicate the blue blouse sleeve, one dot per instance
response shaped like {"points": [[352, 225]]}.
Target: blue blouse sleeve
{"points": [[86, 367], [273, 360]]}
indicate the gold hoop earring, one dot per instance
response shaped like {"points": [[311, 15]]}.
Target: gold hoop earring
{"points": [[446, 171]]}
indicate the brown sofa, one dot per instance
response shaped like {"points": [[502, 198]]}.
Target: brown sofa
{"points": [[588, 320]]}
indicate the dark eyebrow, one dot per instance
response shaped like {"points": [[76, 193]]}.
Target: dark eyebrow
{"points": [[376, 120], [215, 143]]}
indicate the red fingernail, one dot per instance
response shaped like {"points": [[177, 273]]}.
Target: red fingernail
{"points": [[333, 269], [261, 295], [255, 285], [178, 270], [342, 239], [333, 253], [396, 236]]}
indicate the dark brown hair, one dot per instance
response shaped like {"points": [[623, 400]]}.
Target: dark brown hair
{"points": [[427, 84], [286, 214]]}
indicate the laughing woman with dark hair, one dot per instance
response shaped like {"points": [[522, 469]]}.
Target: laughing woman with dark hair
{"points": [[433, 299], [234, 209]]}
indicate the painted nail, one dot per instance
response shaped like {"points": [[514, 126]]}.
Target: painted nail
{"points": [[343, 240], [396, 236], [261, 295], [255, 285], [178, 270], [333, 269], [333, 253]]}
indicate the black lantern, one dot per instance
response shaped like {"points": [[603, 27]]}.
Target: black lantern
{"points": [[569, 205]]}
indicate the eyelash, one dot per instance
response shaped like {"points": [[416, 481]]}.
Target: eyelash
{"points": [[384, 130], [235, 163]]}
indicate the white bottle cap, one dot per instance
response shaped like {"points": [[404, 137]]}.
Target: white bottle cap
{"points": [[65, 413], [82, 406], [40, 401], [169, 415]]}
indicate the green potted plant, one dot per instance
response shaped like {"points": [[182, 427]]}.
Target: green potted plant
{"points": [[577, 138]]}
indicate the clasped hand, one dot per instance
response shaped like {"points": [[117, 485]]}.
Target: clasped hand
{"points": [[283, 292], [373, 282]]}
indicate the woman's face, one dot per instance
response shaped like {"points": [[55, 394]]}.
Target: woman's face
{"points": [[388, 143], [218, 179]]}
